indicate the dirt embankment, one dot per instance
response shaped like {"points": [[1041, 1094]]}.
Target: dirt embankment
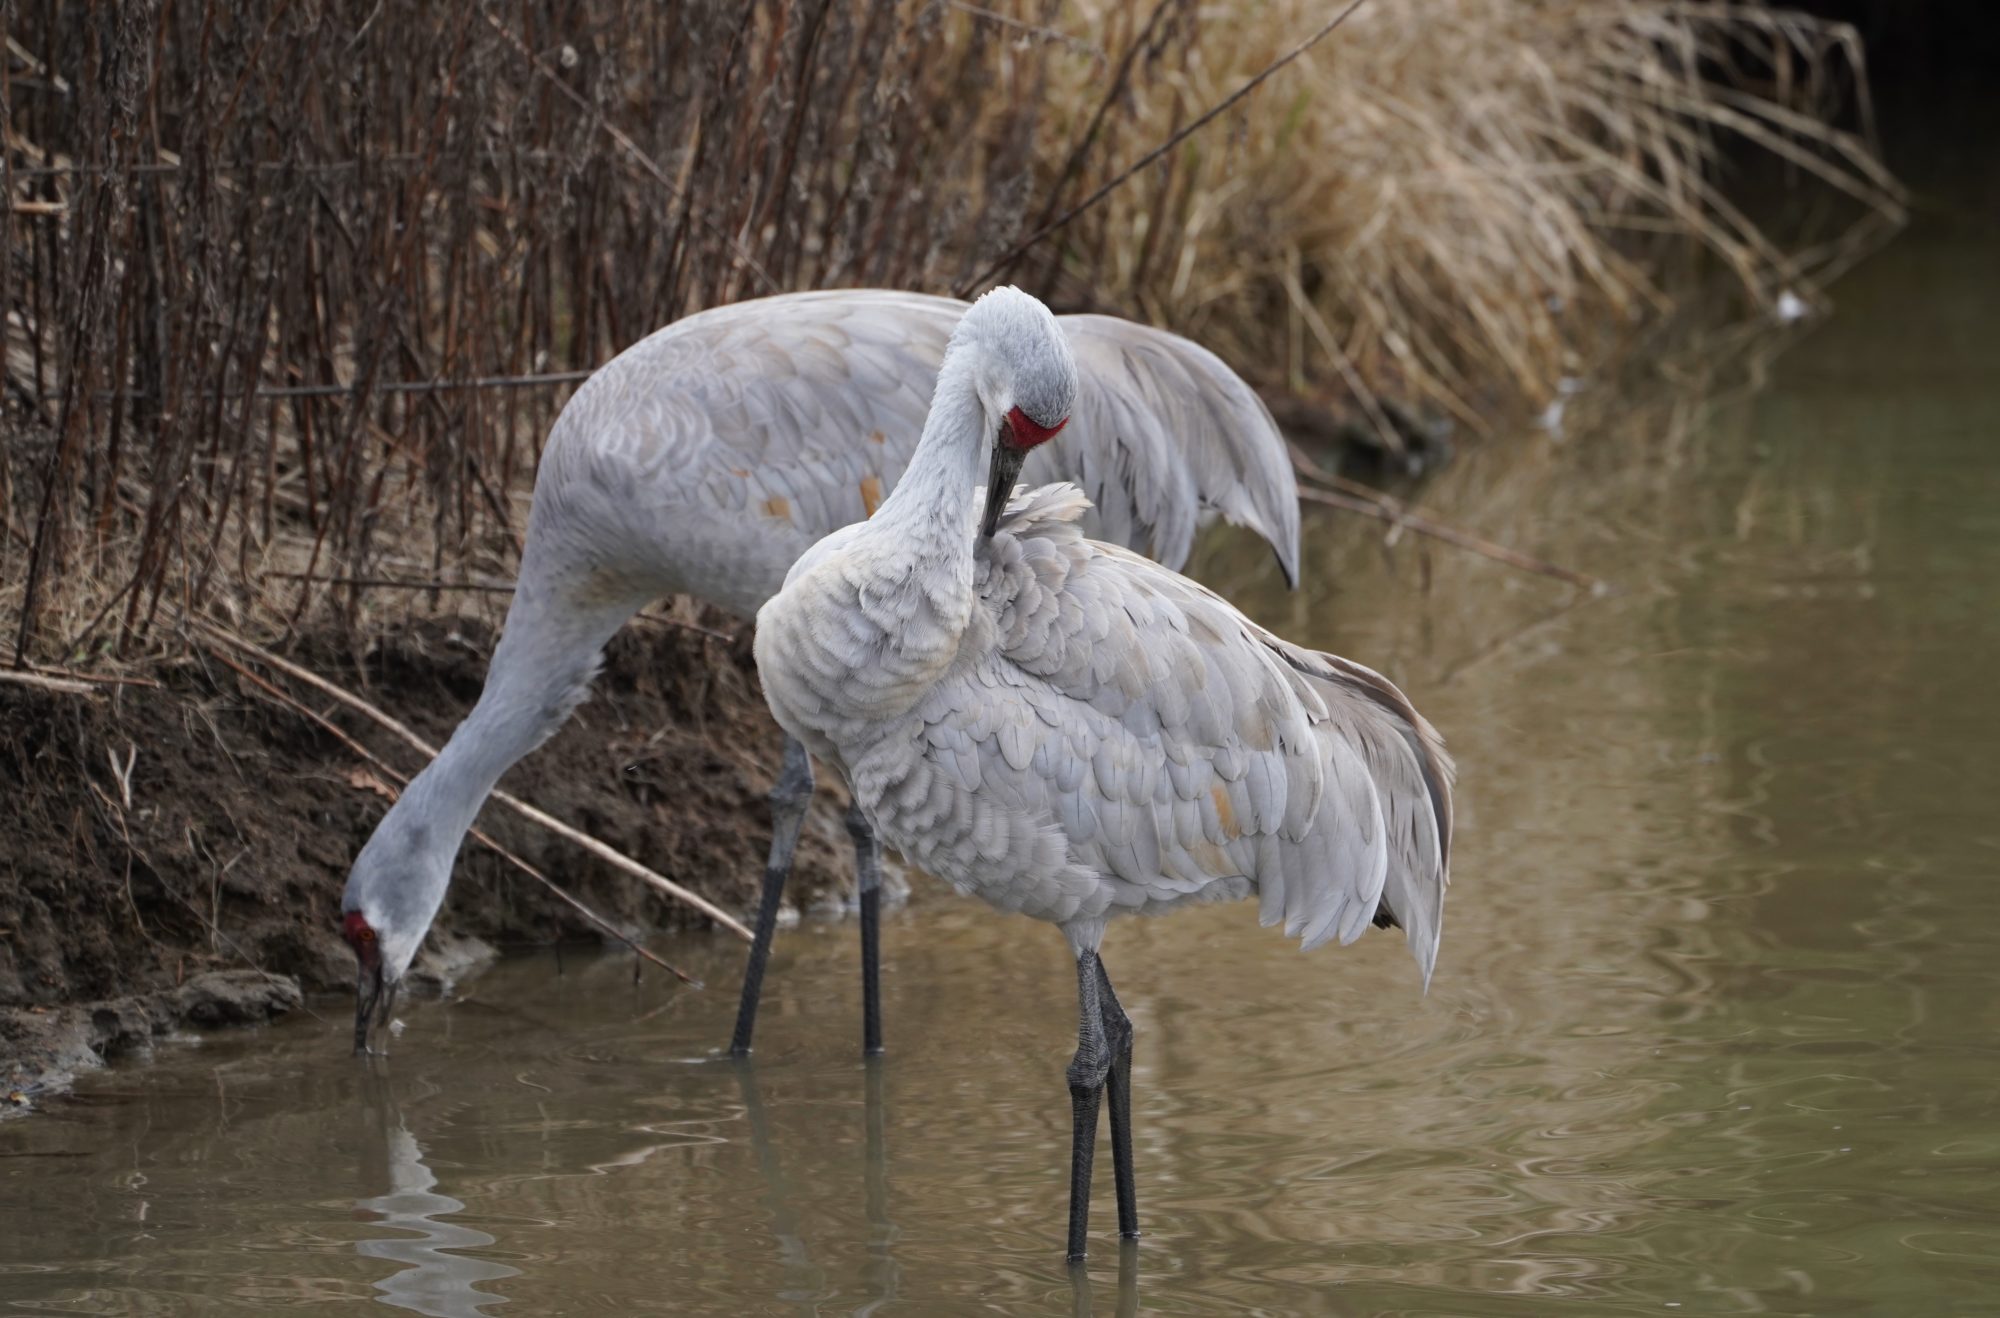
{"points": [[131, 902]]}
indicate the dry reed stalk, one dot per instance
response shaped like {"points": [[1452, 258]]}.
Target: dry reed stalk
{"points": [[287, 298], [1473, 188], [94, 679], [616, 859], [338, 239], [279, 697], [60, 685], [1352, 496]]}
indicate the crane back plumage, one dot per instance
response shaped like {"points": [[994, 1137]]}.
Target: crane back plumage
{"points": [[1218, 752], [1069, 730], [707, 457]]}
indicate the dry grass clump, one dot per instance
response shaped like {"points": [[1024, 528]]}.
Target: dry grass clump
{"points": [[292, 293], [1446, 199], [299, 288]]}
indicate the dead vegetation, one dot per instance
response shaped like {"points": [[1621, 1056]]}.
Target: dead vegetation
{"points": [[204, 824], [292, 292], [1458, 203]]}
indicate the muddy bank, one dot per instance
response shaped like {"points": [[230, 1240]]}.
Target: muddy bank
{"points": [[134, 903]]}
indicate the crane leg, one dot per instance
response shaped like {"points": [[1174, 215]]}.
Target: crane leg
{"points": [[789, 798], [1118, 1034], [1087, 1073], [868, 884]]}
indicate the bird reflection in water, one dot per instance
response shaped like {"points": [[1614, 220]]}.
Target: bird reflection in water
{"points": [[1081, 1296], [881, 1275], [432, 1281]]}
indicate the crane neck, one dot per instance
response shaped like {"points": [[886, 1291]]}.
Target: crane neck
{"points": [[541, 670], [934, 509]]}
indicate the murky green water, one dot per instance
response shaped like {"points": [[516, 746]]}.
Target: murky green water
{"points": [[1716, 1028]]}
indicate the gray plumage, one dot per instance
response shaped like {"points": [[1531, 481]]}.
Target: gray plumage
{"points": [[706, 458], [710, 455], [1068, 730]]}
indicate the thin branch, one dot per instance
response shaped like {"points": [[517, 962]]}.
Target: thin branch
{"points": [[632, 148], [1036, 30], [214, 930], [391, 583], [1021, 248], [64, 685], [1451, 535], [611, 856], [277, 695], [1305, 466], [425, 386], [100, 679], [1366, 499], [483, 587], [390, 386]]}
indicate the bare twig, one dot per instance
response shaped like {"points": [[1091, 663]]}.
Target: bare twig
{"points": [[122, 773], [391, 583], [1035, 30], [279, 697], [565, 896], [97, 679], [611, 856], [646, 162], [483, 587], [1116, 180], [1356, 497], [1305, 466], [546, 378], [65, 685], [389, 161], [215, 933], [28, 57], [1451, 535], [1514, 636]]}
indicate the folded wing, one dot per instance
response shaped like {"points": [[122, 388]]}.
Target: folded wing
{"points": [[1188, 754]]}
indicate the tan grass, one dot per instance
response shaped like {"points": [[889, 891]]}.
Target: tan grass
{"points": [[1448, 199], [232, 243]]}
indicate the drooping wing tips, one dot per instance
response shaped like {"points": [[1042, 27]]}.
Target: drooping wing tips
{"points": [[1412, 775], [1167, 434], [1439, 771], [1421, 870]]}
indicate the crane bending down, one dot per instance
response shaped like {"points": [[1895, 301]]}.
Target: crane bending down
{"points": [[703, 461], [1070, 731]]}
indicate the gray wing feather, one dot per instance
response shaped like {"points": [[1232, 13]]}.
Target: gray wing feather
{"points": [[794, 416], [1167, 435], [1216, 753]]}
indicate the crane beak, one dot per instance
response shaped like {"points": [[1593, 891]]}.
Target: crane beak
{"points": [[1000, 479], [374, 998]]}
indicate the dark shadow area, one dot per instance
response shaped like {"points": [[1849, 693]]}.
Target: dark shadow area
{"points": [[1931, 66]]}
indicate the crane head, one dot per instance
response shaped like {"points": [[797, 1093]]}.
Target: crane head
{"points": [[392, 895], [1028, 379], [374, 990]]}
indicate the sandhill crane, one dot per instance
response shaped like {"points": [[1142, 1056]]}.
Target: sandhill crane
{"points": [[703, 461], [1070, 731]]}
